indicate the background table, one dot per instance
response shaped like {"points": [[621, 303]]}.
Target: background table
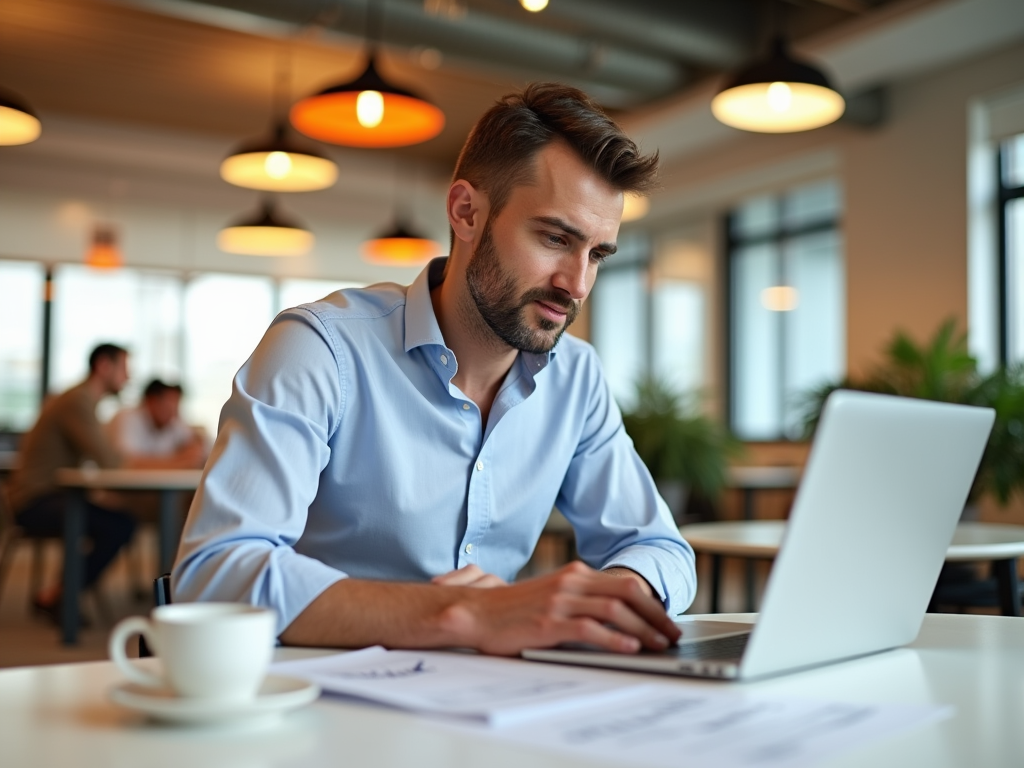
{"points": [[751, 481], [760, 539], [168, 483], [60, 715]]}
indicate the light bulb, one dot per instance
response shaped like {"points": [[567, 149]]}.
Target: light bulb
{"points": [[370, 109], [533, 6], [278, 165], [780, 97], [780, 298]]}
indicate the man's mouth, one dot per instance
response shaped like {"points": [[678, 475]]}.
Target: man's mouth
{"points": [[554, 312]]}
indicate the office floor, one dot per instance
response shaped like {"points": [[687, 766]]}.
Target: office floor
{"points": [[26, 639]]}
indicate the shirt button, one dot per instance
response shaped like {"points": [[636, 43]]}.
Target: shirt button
{"points": [[465, 406], [444, 359], [469, 549], [479, 466]]}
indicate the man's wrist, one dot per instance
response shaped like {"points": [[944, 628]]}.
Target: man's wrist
{"points": [[621, 571]]}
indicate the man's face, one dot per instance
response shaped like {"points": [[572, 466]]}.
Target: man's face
{"points": [[113, 372], [536, 261], [163, 408]]}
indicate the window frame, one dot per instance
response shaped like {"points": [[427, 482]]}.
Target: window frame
{"points": [[1004, 196]]}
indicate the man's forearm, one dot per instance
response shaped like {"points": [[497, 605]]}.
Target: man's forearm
{"points": [[354, 613], [573, 604], [617, 570]]}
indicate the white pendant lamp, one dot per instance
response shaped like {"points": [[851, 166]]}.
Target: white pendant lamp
{"points": [[277, 164], [267, 233], [778, 94], [18, 123]]}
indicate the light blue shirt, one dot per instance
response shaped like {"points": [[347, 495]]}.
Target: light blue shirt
{"points": [[346, 450]]}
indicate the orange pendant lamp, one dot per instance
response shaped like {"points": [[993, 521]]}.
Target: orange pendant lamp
{"points": [[367, 112], [400, 247], [103, 252], [18, 123]]}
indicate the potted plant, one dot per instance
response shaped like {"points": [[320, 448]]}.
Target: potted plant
{"points": [[942, 369], [686, 451]]}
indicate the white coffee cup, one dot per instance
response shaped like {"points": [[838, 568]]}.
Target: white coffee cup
{"points": [[210, 651]]}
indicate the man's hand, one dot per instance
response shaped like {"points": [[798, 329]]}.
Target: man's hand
{"points": [[469, 576], [573, 604]]}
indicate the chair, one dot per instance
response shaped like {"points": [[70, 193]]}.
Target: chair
{"points": [[161, 596], [10, 535]]}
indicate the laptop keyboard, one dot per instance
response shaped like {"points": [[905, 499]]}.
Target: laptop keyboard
{"points": [[714, 648]]}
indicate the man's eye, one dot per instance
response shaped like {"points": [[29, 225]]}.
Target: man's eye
{"points": [[556, 240], [598, 257]]}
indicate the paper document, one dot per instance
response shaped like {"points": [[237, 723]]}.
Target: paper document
{"points": [[663, 725], [492, 690]]}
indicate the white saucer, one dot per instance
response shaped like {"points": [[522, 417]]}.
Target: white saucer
{"points": [[276, 695]]}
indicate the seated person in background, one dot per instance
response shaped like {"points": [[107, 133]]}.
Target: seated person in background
{"points": [[387, 452], [67, 434], [153, 435]]}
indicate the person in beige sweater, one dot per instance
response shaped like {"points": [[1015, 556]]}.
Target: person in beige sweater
{"points": [[67, 434]]}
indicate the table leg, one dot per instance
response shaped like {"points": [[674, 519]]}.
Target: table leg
{"points": [[1009, 585], [74, 527], [169, 530], [716, 582], [748, 514]]}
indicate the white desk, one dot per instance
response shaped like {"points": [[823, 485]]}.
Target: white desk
{"points": [[60, 716], [168, 483], [761, 539]]}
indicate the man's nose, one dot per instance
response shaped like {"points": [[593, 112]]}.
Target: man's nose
{"points": [[572, 276]]}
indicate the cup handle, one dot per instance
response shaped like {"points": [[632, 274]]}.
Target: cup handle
{"points": [[133, 625]]}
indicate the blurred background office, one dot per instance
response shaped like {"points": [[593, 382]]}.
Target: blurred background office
{"points": [[767, 265]]}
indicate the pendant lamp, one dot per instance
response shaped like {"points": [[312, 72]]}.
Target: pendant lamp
{"points": [[267, 233], [103, 252], [367, 112], [276, 164], [18, 123], [400, 247], [778, 94]]}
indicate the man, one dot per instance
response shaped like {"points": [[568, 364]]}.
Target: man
{"points": [[154, 435], [388, 451], [67, 434]]}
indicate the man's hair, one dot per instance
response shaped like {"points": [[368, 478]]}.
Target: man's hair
{"points": [[157, 388], [498, 155], [105, 352]]}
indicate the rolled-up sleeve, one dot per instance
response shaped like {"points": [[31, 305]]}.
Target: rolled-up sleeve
{"points": [[262, 475], [615, 509]]}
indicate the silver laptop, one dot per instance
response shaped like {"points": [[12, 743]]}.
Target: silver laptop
{"points": [[878, 504]]}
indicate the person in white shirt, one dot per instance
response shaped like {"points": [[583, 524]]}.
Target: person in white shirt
{"points": [[153, 433]]}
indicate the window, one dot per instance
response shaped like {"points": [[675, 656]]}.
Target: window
{"points": [[140, 310], [786, 307], [619, 320], [21, 343], [1010, 218], [225, 318]]}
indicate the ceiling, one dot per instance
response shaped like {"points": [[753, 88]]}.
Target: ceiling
{"points": [[209, 67]]}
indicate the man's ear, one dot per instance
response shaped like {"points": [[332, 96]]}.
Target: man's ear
{"points": [[467, 210]]}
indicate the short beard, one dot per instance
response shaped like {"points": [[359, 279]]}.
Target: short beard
{"points": [[494, 292]]}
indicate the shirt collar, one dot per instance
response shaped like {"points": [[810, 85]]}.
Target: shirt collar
{"points": [[421, 326]]}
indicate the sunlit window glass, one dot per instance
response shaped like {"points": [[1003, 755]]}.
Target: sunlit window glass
{"points": [[619, 318], [140, 310], [787, 307], [1011, 225], [21, 343], [225, 318]]}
